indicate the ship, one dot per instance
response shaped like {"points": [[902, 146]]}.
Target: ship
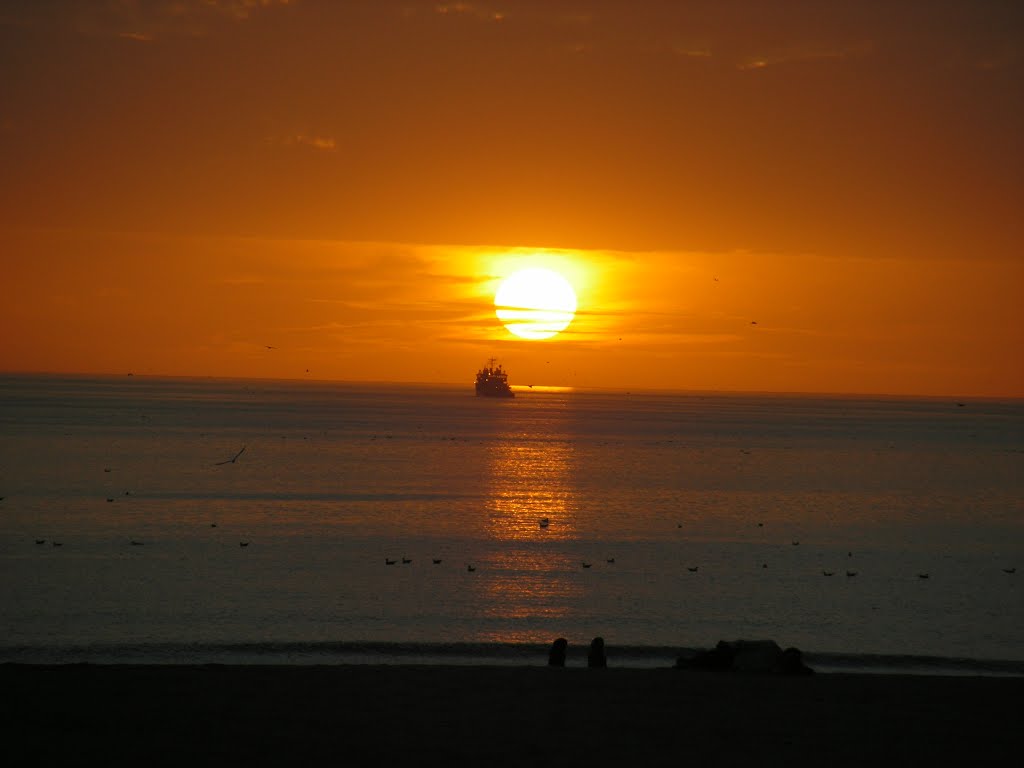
{"points": [[492, 381]]}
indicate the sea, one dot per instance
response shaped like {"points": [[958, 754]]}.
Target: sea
{"points": [[187, 520]]}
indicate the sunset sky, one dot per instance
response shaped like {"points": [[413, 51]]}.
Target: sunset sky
{"points": [[795, 196]]}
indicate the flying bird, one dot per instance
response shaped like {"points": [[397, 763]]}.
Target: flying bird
{"points": [[232, 460]]}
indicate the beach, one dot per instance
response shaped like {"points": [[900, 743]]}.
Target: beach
{"points": [[495, 716]]}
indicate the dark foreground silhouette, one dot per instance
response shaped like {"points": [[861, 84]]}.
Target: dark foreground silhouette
{"points": [[556, 656], [215, 715], [750, 656]]}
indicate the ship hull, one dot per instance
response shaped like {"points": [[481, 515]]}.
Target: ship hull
{"points": [[485, 390]]}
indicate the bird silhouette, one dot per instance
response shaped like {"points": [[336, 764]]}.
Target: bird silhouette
{"points": [[243, 543], [585, 564], [828, 573], [470, 568], [437, 561], [693, 569], [389, 562], [232, 460], [1009, 570]]}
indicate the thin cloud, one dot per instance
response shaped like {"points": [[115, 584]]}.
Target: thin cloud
{"points": [[807, 54], [321, 143], [471, 10], [141, 37]]}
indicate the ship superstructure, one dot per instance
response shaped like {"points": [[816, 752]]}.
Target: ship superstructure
{"points": [[492, 381]]}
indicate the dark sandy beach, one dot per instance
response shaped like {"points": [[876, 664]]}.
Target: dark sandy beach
{"points": [[363, 714]]}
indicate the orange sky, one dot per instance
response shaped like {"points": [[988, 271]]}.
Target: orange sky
{"points": [[183, 184]]}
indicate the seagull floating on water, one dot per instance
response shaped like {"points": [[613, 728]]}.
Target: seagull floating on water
{"points": [[389, 562], [470, 568], [1009, 570], [437, 561], [693, 569]]}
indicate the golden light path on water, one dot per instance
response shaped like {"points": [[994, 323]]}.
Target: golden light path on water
{"points": [[530, 505]]}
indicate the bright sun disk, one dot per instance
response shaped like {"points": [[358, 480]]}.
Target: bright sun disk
{"points": [[535, 303]]}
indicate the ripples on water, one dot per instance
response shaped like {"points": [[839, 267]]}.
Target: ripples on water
{"points": [[335, 479]]}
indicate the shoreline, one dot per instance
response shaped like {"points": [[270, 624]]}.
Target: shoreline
{"points": [[500, 715], [471, 654]]}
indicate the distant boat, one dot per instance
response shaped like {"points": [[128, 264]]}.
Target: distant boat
{"points": [[492, 381]]}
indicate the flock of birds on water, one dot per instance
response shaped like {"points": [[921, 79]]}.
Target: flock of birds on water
{"points": [[543, 522]]}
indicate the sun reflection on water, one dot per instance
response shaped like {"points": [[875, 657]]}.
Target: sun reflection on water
{"points": [[531, 514], [531, 495]]}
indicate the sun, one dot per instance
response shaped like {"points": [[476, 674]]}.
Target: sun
{"points": [[535, 303]]}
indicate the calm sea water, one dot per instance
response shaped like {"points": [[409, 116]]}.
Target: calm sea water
{"points": [[699, 518]]}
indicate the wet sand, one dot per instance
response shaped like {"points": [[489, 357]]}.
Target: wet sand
{"points": [[499, 716]]}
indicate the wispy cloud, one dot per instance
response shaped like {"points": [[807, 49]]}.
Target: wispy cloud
{"points": [[472, 10], [806, 54], [141, 37], [321, 143], [139, 20]]}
